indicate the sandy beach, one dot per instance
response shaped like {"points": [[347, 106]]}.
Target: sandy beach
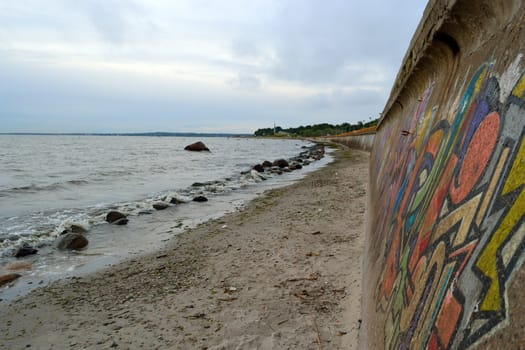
{"points": [[283, 273]]}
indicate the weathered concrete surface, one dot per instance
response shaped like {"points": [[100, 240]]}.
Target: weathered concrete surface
{"points": [[363, 142], [446, 233]]}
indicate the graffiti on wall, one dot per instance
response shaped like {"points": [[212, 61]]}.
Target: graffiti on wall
{"points": [[451, 206]]}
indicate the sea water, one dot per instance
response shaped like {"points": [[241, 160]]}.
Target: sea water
{"points": [[48, 182]]}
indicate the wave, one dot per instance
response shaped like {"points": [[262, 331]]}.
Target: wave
{"points": [[33, 188], [110, 173], [42, 228], [77, 182]]}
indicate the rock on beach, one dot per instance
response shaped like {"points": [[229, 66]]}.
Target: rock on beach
{"points": [[200, 199], [113, 216], [160, 205], [25, 251], [10, 277], [71, 241], [281, 163], [121, 221], [295, 166], [267, 164], [259, 168], [18, 266]]}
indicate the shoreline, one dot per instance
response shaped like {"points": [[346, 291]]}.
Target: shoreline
{"points": [[147, 230], [283, 272], [36, 207]]}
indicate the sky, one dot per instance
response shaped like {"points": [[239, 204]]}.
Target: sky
{"points": [[198, 65]]}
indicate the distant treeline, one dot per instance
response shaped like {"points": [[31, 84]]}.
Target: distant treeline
{"points": [[315, 130], [155, 134]]}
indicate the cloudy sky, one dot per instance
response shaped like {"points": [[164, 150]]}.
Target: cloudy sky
{"points": [[197, 65]]}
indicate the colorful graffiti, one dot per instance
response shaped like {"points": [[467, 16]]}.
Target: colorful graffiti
{"points": [[451, 204]]}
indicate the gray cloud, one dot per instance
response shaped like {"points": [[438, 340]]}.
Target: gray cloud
{"points": [[245, 48], [110, 18], [362, 103], [314, 41], [167, 63], [246, 82]]}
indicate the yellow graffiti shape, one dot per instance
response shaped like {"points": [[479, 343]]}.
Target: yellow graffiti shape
{"points": [[519, 90], [487, 261]]}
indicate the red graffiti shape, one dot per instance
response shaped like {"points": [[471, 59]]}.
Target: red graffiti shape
{"points": [[448, 319], [476, 158]]}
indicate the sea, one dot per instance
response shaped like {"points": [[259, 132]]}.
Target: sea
{"points": [[50, 182]]}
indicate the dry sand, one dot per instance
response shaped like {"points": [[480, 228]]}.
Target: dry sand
{"points": [[283, 273]]}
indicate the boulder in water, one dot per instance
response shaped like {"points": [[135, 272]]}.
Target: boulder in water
{"points": [[113, 216], [281, 163], [295, 166], [197, 147], [200, 199], [160, 205], [267, 164], [71, 241], [10, 277], [120, 222], [258, 168], [25, 250]]}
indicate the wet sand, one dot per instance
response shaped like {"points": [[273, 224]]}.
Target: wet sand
{"points": [[283, 273]]}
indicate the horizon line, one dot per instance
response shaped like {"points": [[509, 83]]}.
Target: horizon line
{"points": [[152, 133]]}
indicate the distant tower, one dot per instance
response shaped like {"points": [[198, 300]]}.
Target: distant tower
{"points": [[274, 127]]}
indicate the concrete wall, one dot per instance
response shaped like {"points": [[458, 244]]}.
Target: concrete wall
{"points": [[363, 142], [446, 233]]}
